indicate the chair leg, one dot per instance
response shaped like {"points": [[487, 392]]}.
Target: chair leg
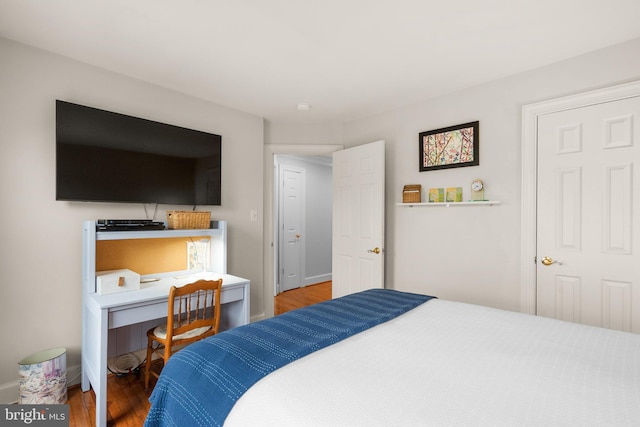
{"points": [[167, 352], [147, 367]]}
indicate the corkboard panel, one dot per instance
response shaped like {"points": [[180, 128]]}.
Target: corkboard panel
{"points": [[144, 256]]}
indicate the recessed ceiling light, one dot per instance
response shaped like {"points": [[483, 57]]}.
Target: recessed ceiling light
{"points": [[303, 107]]}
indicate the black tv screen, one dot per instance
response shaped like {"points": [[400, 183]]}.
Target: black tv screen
{"points": [[110, 157]]}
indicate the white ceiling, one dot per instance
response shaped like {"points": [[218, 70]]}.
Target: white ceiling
{"points": [[346, 58]]}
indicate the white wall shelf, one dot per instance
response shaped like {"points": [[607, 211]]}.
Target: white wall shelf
{"points": [[448, 204], [217, 232]]}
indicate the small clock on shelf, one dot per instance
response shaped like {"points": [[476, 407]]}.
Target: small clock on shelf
{"points": [[477, 190]]}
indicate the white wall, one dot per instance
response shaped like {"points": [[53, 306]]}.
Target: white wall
{"points": [[302, 133], [318, 211], [471, 254], [40, 241]]}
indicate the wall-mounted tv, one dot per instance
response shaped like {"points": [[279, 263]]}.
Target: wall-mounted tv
{"points": [[103, 156]]}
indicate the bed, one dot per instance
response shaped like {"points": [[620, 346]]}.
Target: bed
{"points": [[390, 358]]}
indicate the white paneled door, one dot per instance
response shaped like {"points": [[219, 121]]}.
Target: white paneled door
{"points": [[358, 219], [588, 220], [292, 248]]}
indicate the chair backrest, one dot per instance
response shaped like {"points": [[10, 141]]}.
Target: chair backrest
{"points": [[193, 306]]}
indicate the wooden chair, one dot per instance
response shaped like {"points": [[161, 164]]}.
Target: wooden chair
{"points": [[193, 314]]}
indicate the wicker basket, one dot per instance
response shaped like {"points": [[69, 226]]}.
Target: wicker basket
{"points": [[188, 220], [412, 193]]}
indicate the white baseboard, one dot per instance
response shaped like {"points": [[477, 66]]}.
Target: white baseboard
{"points": [[10, 392], [317, 279], [257, 317]]}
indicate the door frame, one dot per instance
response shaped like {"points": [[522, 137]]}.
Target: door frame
{"points": [[269, 220], [529, 179]]}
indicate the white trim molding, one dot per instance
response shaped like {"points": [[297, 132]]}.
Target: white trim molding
{"points": [[530, 114]]}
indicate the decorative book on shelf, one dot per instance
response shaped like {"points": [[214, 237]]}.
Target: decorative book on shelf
{"points": [[436, 195]]}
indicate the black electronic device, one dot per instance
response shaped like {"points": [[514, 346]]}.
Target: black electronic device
{"points": [[128, 225], [110, 157], [124, 221]]}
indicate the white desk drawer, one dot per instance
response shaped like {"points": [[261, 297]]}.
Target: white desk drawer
{"points": [[138, 314], [230, 295], [141, 313]]}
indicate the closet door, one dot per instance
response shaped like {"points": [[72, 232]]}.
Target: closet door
{"points": [[588, 219]]}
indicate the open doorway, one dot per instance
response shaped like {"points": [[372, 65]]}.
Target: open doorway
{"points": [[303, 201], [271, 211]]}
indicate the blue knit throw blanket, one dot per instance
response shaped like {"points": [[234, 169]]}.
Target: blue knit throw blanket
{"points": [[201, 383]]}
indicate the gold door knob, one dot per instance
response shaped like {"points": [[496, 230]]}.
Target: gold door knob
{"points": [[374, 251], [548, 261], [297, 236]]}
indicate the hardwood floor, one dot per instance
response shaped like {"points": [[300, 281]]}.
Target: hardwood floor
{"points": [[128, 403], [301, 297]]}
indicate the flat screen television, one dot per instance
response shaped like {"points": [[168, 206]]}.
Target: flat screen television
{"points": [[104, 156]]}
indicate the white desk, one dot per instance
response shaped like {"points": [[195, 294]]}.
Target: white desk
{"points": [[104, 312], [100, 313]]}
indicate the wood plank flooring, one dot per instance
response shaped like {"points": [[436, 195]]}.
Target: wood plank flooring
{"points": [[127, 402], [301, 297]]}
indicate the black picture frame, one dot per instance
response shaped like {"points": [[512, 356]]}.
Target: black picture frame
{"points": [[451, 147]]}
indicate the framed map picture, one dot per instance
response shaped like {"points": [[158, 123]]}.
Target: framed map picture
{"points": [[451, 147]]}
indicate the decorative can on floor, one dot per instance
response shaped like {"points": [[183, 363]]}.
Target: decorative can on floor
{"points": [[43, 377]]}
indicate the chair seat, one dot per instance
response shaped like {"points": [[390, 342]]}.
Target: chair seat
{"points": [[161, 332]]}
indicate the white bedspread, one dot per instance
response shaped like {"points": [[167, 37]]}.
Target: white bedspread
{"points": [[452, 364]]}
